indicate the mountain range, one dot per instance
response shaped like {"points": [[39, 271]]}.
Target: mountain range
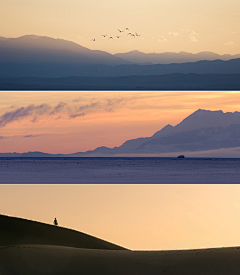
{"points": [[45, 57], [201, 131], [30, 49], [172, 57], [172, 82]]}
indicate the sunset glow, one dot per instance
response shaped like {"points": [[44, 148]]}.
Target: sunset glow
{"points": [[144, 217], [68, 122], [163, 26]]}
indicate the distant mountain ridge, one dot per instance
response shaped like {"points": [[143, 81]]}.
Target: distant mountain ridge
{"points": [[32, 48], [172, 57], [201, 131], [167, 82], [40, 56]]}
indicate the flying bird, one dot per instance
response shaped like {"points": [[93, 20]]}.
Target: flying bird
{"points": [[93, 39], [110, 37], [120, 30], [137, 34], [118, 36], [127, 29], [104, 35], [129, 33]]}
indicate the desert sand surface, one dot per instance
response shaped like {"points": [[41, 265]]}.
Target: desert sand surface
{"points": [[119, 170], [30, 247], [17, 231], [58, 260]]}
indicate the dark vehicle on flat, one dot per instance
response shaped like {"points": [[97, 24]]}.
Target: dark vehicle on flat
{"points": [[181, 157]]}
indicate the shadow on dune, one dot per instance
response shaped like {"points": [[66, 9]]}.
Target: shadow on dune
{"points": [[28, 247], [17, 231]]}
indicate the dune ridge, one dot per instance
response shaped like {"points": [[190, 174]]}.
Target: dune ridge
{"points": [[17, 231], [58, 260], [29, 247]]}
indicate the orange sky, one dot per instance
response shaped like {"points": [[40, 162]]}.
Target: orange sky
{"points": [[68, 122], [164, 26], [137, 216]]}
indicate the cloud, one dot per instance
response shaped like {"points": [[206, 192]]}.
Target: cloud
{"points": [[115, 101], [173, 33], [193, 38], [93, 105], [23, 112], [20, 136], [31, 136], [61, 105], [62, 109], [229, 43], [77, 115], [101, 105], [162, 39], [191, 34]]}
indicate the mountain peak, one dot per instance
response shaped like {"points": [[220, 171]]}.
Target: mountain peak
{"points": [[206, 118], [30, 36], [166, 130], [201, 112], [135, 51], [45, 50]]}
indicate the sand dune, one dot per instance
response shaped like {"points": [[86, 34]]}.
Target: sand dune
{"points": [[57, 260], [16, 231], [25, 249]]}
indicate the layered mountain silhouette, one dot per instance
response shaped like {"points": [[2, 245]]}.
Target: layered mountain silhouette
{"points": [[17, 231], [33, 55], [201, 131], [172, 57], [41, 49], [172, 82], [45, 57]]}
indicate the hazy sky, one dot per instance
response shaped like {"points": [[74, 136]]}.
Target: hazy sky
{"points": [[166, 25], [69, 122], [147, 217]]}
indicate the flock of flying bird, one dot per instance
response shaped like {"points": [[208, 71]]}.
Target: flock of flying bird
{"points": [[126, 29]]}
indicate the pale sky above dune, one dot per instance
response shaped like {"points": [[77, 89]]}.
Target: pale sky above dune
{"points": [[143, 217], [164, 26], [69, 122]]}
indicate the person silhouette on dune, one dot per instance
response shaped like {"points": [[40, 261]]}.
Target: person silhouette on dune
{"points": [[55, 222]]}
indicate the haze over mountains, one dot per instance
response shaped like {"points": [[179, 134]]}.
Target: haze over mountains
{"points": [[32, 49], [201, 131], [172, 57], [39, 56]]}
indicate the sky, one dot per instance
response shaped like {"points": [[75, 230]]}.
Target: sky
{"points": [[136, 216], [164, 26], [70, 122]]}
